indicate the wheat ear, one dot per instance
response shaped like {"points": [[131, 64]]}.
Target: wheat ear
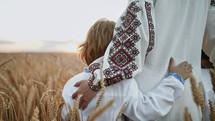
{"points": [[196, 93], [30, 101], [35, 115], [201, 100], [212, 73], [195, 90], [99, 110], [75, 110], [187, 116], [212, 111]]}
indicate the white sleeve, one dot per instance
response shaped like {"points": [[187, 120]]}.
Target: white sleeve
{"points": [[209, 38], [133, 40], [154, 104]]}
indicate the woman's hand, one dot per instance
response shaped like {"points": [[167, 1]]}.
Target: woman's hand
{"points": [[86, 91], [183, 69]]}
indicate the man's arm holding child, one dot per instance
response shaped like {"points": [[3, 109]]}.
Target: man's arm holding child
{"points": [[158, 102]]}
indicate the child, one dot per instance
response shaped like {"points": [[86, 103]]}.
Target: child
{"points": [[139, 106]]}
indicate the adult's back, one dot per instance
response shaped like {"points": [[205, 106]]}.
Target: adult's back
{"points": [[180, 29]]}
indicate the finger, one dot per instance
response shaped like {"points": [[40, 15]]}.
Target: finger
{"points": [[84, 106], [189, 70], [189, 66], [171, 62], [75, 94], [77, 84], [185, 63]]}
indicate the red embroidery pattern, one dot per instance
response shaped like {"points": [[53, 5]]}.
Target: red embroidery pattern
{"points": [[123, 52], [92, 68], [151, 28]]}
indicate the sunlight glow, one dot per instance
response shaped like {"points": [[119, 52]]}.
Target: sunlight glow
{"points": [[71, 48], [27, 25]]}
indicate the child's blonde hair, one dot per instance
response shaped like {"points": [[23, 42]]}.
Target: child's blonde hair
{"points": [[98, 37]]}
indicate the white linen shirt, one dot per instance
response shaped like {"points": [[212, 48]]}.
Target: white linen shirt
{"points": [[139, 106], [166, 28]]}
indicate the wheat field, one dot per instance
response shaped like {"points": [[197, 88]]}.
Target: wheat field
{"points": [[31, 85]]}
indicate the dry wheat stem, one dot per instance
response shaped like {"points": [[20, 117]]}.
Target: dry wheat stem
{"points": [[8, 60], [195, 90], [35, 115], [11, 103], [39, 83], [46, 93], [102, 86], [99, 110], [212, 73], [30, 100], [201, 100], [75, 113], [187, 116], [121, 111], [212, 111]]}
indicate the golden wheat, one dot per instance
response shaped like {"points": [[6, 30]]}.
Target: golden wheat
{"points": [[75, 110], [121, 111], [102, 88], [187, 116], [212, 73], [212, 111], [99, 110], [201, 97]]}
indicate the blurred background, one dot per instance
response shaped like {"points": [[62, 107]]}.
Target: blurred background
{"points": [[51, 25]]}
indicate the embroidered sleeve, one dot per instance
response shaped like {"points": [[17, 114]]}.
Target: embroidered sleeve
{"points": [[133, 40]]}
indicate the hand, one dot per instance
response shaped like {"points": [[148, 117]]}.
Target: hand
{"points": [[86, 91], [183, 69]]}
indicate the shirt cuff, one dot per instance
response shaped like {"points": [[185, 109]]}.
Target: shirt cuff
{"points": [[176, 76]]}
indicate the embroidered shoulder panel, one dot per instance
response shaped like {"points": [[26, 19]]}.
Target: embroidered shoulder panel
{"points": [[123, 52], [151, 28]]}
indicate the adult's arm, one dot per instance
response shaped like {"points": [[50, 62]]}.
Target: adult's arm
{"points": [[153, 104], [133, 40], [209, 38]]}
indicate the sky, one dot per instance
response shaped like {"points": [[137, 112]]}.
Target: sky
{"points": [[51, 25]]}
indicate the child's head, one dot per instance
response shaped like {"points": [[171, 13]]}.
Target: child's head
{"points": [[98, 38]]}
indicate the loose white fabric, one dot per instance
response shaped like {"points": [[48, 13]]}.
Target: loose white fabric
{"points": [[179, 27], [139, 106]]}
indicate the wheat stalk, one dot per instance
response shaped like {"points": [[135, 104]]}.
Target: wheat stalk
{"points": [[2, 93], [75, 110], [30, 100], [121, 111], [212, 73], [212, 111], [6, 61], [201, 96], [99, 110], [187, 116], [102, 87], [43, 112], [195, 92], [46, 93], [35, 115]]}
